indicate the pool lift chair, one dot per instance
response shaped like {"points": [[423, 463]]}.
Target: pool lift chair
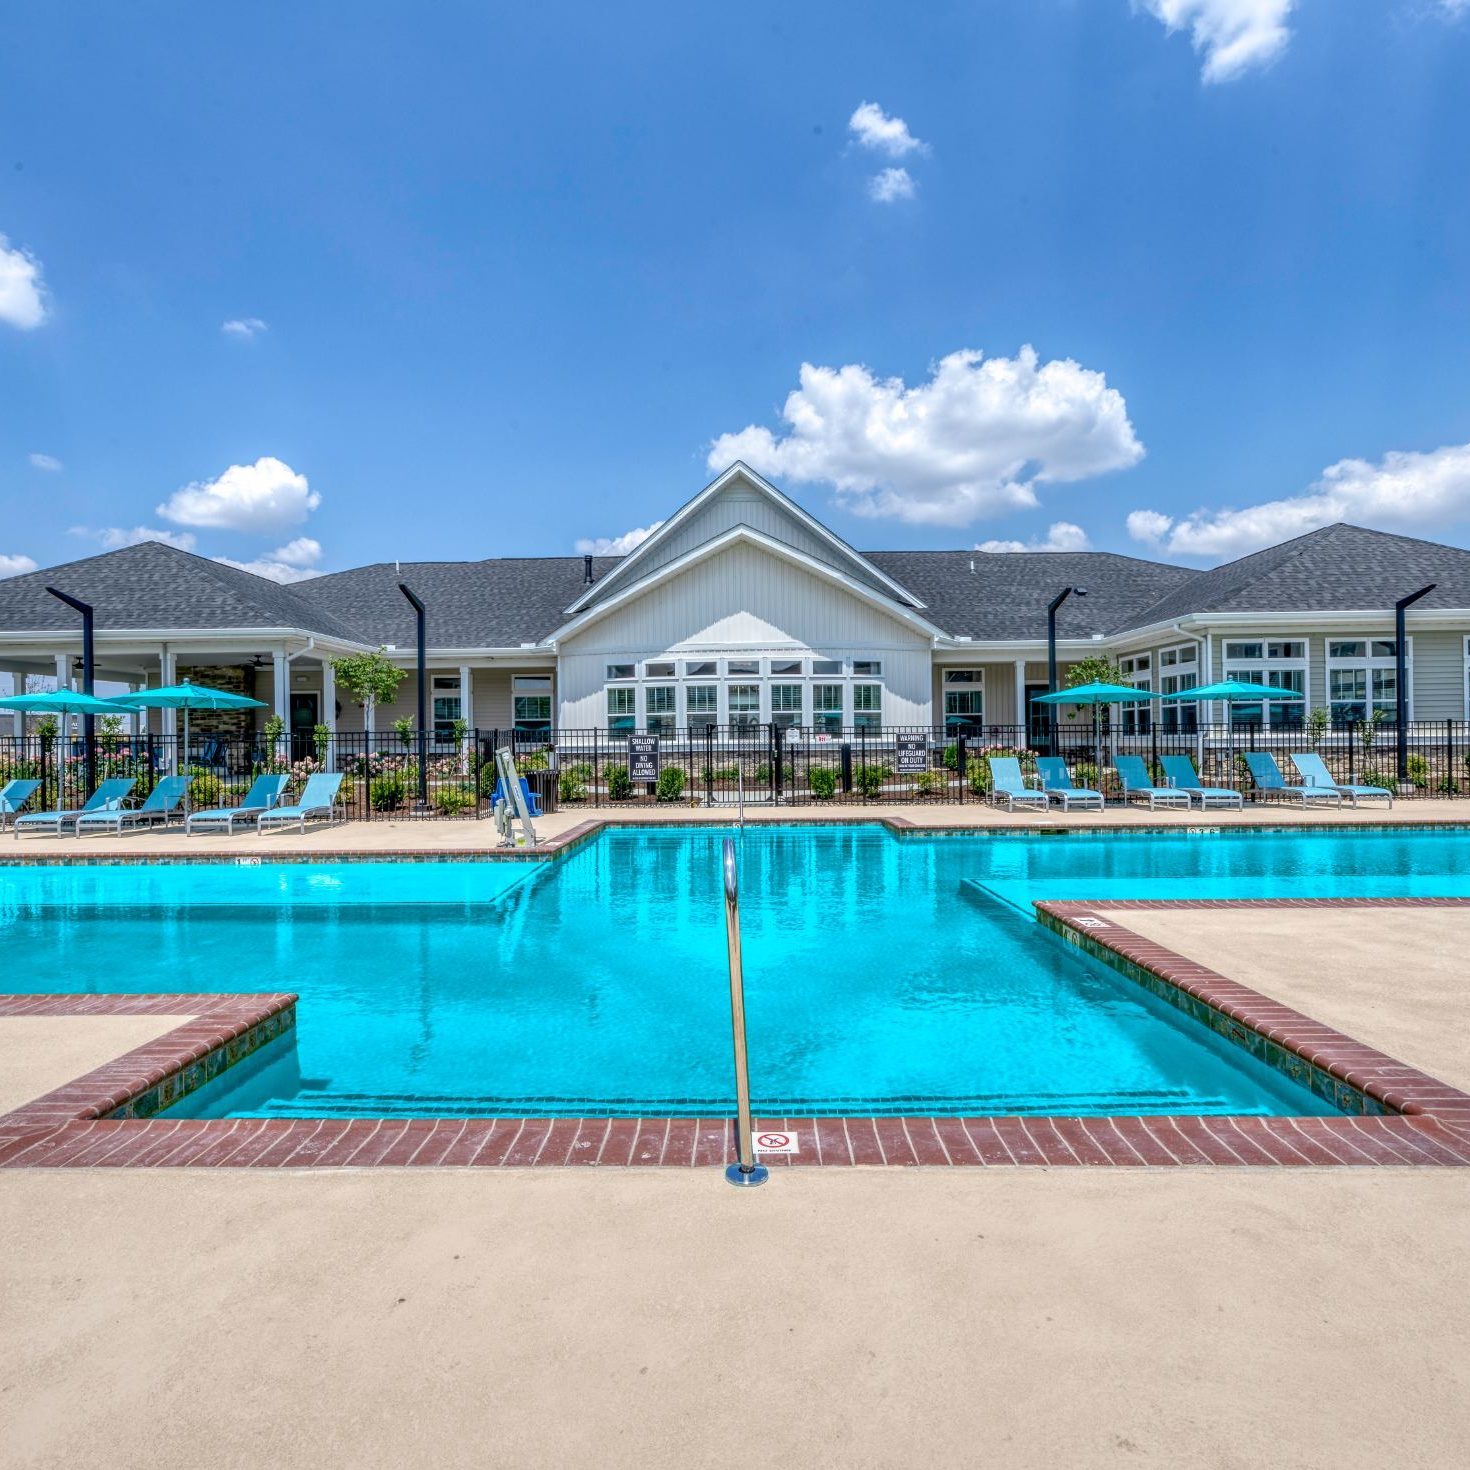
{"points": [[512, 806]]}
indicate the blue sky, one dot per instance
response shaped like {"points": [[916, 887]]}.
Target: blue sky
{"points": [[505, 280]]}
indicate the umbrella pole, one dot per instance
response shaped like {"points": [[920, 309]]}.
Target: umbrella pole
{"points": [[184, 770]]}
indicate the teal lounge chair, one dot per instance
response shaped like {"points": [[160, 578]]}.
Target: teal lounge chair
{"points": [[317, 800], [1139, 785], [163, 802], [1179, 773], [1059, 788], [1271, 783], [264, 793], [1008, 785], [107, 797], [1315, 773], [13, 796]]}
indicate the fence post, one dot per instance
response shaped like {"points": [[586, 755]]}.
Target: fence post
{"points": [[960, 761], [846, 754], [778, 745]]}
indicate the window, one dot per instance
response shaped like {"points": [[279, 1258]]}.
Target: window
{"points": [[964, 698], [785, 666], [702, 705], [660, 709], [620, 671], [1362, 678], [701, 669], [786, 705], [827, 709], [743, 666], [1178, 670], [622, 710], [867, 706], [745, 707], [531, 704], [659, 670], [1134, 718], [826, 666], [446, 709], [1281, 662], [867, 668]]}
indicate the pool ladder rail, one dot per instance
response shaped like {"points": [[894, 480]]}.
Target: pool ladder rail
{"points": [[745, 1171]]}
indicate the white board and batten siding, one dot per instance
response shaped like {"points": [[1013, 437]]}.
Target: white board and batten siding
{"points": [[746, 603]]}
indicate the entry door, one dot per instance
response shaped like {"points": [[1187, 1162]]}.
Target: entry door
{"points": [[1038, 716], [305, 716]]}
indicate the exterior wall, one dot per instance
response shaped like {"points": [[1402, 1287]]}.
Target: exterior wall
{"points": [[710, 610]]}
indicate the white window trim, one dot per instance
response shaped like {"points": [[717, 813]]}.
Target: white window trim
{"points": [[1261, 669], [1368, 663]]}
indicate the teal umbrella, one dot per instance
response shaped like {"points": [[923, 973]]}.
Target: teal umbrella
{"points": [[187, 696], [1234, 691], [63, 702], [1097, 694]]}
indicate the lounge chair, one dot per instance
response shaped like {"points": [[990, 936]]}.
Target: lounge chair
{"points": [[1270, 782], [1059, 788], [533, 802], [13, 796], [1315, 773], [107, 797], [264, 793], [1179, 773], [319, 799], [1139, 785], [163, 801], [1009, 785]]}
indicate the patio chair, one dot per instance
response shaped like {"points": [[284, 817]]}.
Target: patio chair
{"points": [[1179, 773], [108, 796], [264, 793], [13, 796], [1139, 785], [1314, 772], [1009, 785], [318, 799], [533, 801], [1059, 788], [163, 802], [1269, 782]]}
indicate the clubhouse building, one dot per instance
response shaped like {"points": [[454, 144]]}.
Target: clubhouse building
{"points": [[742, 609]]}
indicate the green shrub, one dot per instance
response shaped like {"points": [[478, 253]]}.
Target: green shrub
{"points": [[721, 773], [951, 757], [570, 786], [1379, 778], [579, 771], [619, 783], [1418, 768], [670, 784], [205, 788], [869, 779], [450, 801], [977, 777], [823, 781], [387, 793], [929, 783], [1084, 773], [1449, 787], [536, 761], [763, 773]]}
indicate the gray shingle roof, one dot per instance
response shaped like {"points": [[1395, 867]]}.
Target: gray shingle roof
{"points": [[157, 586]]}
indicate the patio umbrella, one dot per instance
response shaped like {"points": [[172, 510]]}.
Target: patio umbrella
{"points": [[64, 702], [1096, 694], [1233, 691], [187, 697]]}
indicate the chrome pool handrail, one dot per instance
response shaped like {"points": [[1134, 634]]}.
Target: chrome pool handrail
{"points": [[745, 1171]]}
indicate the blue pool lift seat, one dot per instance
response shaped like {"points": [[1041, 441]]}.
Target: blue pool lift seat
{"points": [[533, 801]]}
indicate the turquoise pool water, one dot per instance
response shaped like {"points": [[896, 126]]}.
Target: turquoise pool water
{"points": [[883, 974]]}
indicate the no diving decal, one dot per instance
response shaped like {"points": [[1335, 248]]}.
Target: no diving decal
{"points": [[776, 1141]]}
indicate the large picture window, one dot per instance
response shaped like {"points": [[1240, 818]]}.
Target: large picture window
{"points": [[531, 705], [827, 709], [1178, 671], [622, 710], [745, 708], [446, 708], [1137, 671], [1362, 677], [867, 706], [964, 698], [702, 705], [786, 705], [1281, 662], [660, 709]]}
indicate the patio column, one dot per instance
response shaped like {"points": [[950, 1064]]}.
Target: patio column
{"points": [[1021, 698], [329, 696], [168, 675], [18, 717], [281, 692], [63, 681], [466, 696]]}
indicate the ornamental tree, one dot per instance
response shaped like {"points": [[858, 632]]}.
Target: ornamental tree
{"points": [[370, 678]]}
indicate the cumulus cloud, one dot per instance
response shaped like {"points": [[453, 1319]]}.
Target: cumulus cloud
{"points": [[296, 561], [1060, 536], [1454, 9], [45, 462], [891, 185], [975, 440], [1233, 36], [616, 545], [265, 496], [873, 128], [13, 566], [22, 294], [1404, 491], [113, 538], [244, 327]]}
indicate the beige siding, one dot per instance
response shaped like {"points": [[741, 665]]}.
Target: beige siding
{"points": [[1439, 675]]}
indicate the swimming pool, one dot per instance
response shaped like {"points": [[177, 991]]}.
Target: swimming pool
{"points": [[883, 974]]}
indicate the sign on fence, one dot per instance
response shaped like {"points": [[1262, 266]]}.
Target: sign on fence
{"points": [[911, 754], [643, 759]]}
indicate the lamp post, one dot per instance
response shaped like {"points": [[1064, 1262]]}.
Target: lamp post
{"points": [[423, 741], [1051, 659], [89, 722], [1401, 677]]}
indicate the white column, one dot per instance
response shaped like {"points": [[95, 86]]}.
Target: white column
{"points": [[329, 695], [18, 717], [168, 675], [63, 681], [1021, 698], [466, 696], [281, 693]]}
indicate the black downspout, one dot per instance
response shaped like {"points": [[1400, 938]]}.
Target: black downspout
{"points": [[1401, 676], [423, 742], [89, 722]]}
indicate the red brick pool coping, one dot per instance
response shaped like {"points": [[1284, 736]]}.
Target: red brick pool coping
{"points": [[69, 1128]]}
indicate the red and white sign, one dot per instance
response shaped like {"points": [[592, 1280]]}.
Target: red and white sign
{"points": [[776, 1141]]}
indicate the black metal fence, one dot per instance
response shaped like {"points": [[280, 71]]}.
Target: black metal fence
{"points": [[384, 777]]}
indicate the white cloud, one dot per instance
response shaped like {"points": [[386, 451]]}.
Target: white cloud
{"points": [[873, 128], [1454, 9], [1405, 491], [14, 566], [975, 440], [113, 538], [22, 294], [1232, 35], [265, 496], [296, 561], [891, 185], [616, 545], [244, 327], [1060, 536], [45, 462]]}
